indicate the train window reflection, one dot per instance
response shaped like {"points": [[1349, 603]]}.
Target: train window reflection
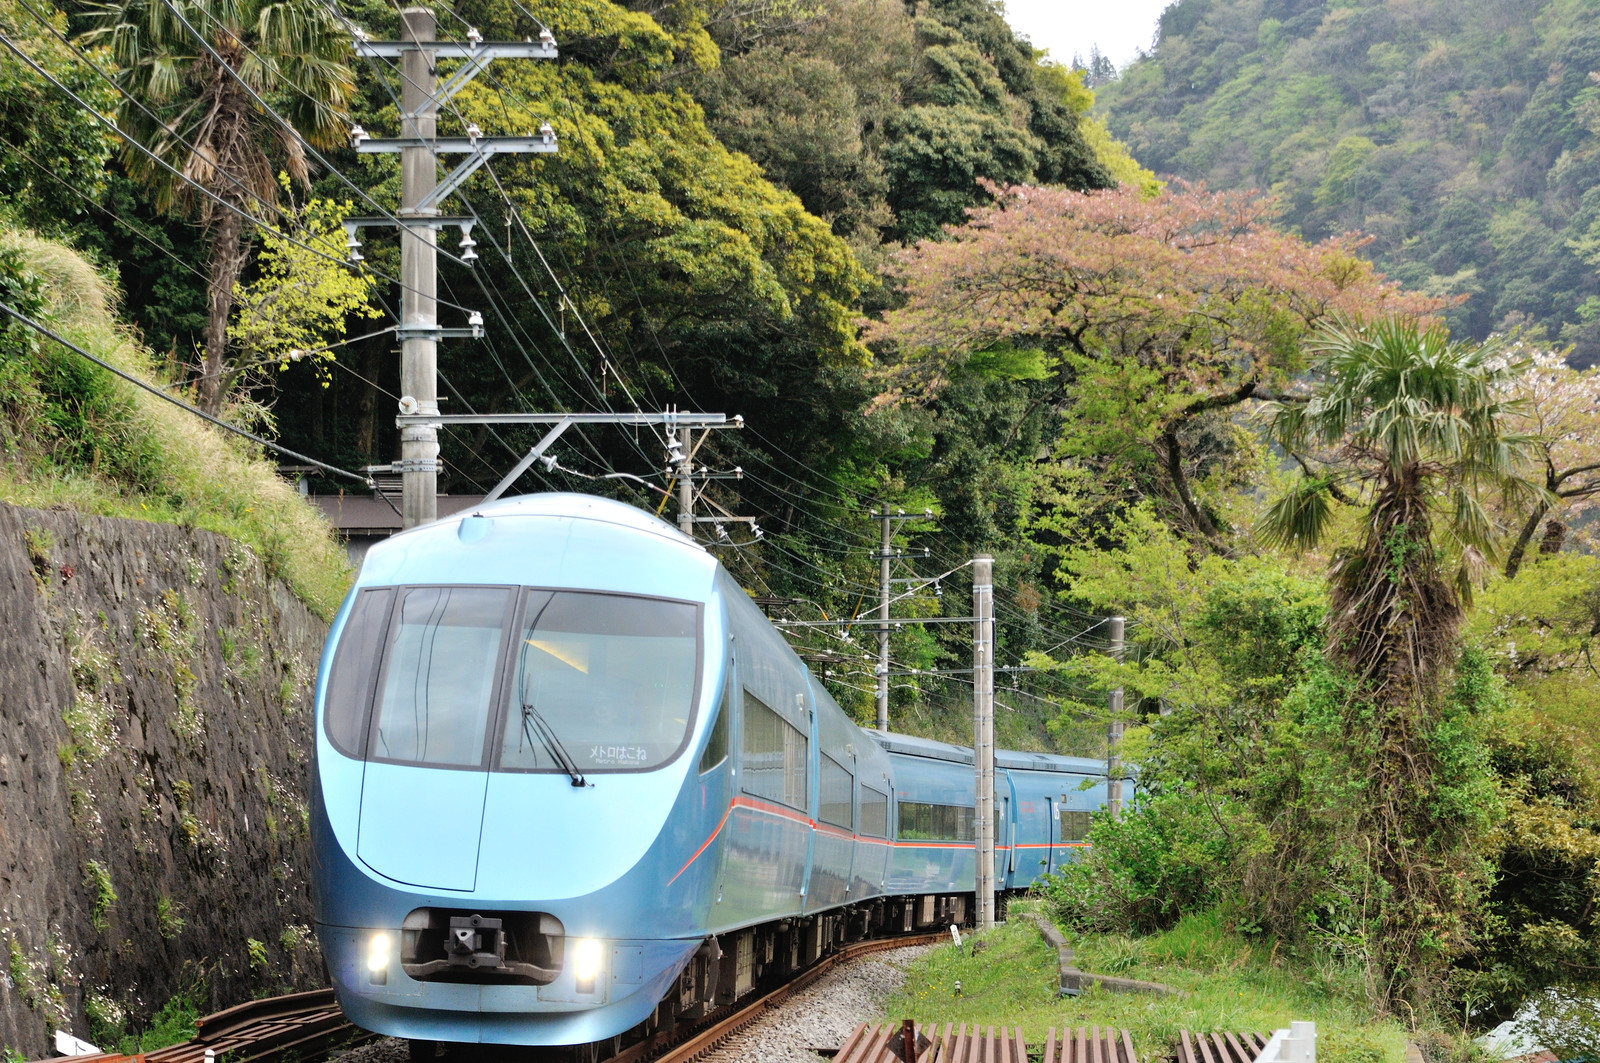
{"points": [[874, 813], [438, 683], [347, 702], [921, 821], [604, 682], [837, 782]]}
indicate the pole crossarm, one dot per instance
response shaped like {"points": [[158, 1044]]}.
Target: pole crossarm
{"points": [[695, 420], [537, 143], [481, 150], [459, 49], [426, 221], [477, 56]]}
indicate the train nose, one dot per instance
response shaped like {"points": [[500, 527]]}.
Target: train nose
{"points": [[422, 835]]}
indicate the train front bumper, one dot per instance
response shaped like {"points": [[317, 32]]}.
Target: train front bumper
{"points": [[633, 976]]}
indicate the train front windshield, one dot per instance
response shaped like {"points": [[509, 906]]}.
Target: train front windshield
{"points": [[603, 681], [520, 680]]}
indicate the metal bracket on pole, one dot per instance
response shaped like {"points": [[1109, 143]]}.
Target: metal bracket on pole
{"points": [[405, 465], [885, 558], [434, 332], [560, 422], [533, 455]]}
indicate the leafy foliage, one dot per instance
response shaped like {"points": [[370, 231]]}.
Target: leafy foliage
{"points": [[1464, 136], [55, 152], [302, 294]]}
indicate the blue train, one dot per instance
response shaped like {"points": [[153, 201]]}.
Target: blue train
{"points": [[571, 785]]}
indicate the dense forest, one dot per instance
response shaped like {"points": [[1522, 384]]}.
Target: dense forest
{"points": [[1462, 137], [1338, 486]]}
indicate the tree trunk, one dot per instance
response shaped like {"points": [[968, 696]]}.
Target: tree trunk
{"points": [[1520, 549], [229, 250], [367, 418], [1180, 485], [1555, 537]]}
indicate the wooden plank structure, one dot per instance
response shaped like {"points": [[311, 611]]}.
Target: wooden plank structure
{"points": [[1091, 1044], [888, 1043], [1220, 1047]]}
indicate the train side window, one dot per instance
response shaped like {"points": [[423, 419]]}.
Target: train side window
{"points": [[347, 701], [1074, 825], [774, 755], [921, 821], [717, 745], [874, 813], [837, 782]]}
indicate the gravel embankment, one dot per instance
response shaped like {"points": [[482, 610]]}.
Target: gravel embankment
{"points": [[819, 1016], [823, 1014]]}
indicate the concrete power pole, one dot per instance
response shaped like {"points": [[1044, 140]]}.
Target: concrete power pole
{"points": [[886, 556], [983, 733], [419, 304], [686, 482], [420, 147], [1114, 729]]}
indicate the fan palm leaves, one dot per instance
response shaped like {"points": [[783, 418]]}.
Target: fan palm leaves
{"points": [[227, 93], [1400, 404]]}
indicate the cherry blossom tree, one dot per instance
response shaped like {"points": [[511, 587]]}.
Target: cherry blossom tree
{"points": [[1167, 308], [1559, 407]]}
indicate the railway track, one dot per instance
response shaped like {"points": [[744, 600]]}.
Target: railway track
{"points": [[308, 1027]]}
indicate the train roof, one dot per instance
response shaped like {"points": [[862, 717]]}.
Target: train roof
{"points": [[573, 505], [912, 746]]}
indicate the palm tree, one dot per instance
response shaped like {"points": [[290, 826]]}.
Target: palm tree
{"points": [[185, 98], [1411, 424]]}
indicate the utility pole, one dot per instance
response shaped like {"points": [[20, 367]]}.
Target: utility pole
{"points": [[1114, 729], [685, 482], [983, 733], [681, 449], [886, 556], [419, 277], [421, 192]]}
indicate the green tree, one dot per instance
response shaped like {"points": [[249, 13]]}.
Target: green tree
{"points": [[1411, 422], [302, 293], [56, 152], [191, 71]]}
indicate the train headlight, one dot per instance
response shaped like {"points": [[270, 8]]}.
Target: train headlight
{"points": [[378, 947], [586, 963]]}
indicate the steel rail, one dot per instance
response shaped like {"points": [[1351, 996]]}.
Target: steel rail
{"points": [[310, 1024]]}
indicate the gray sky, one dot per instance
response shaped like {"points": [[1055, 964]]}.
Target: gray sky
{"points": [[1119, 27]]}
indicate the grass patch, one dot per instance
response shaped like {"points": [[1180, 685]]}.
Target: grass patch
{"points": [[73, 436], [172, 1025], [1231, 983]]}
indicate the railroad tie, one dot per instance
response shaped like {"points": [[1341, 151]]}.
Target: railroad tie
{"points": [[1089, 1044], [885, 1043], [1219, 1047]]}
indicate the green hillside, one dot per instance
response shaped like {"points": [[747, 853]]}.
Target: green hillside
{"points": [[1463, 136]]}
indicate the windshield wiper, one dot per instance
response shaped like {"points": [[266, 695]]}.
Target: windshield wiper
{"points": [[534, 725]]}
